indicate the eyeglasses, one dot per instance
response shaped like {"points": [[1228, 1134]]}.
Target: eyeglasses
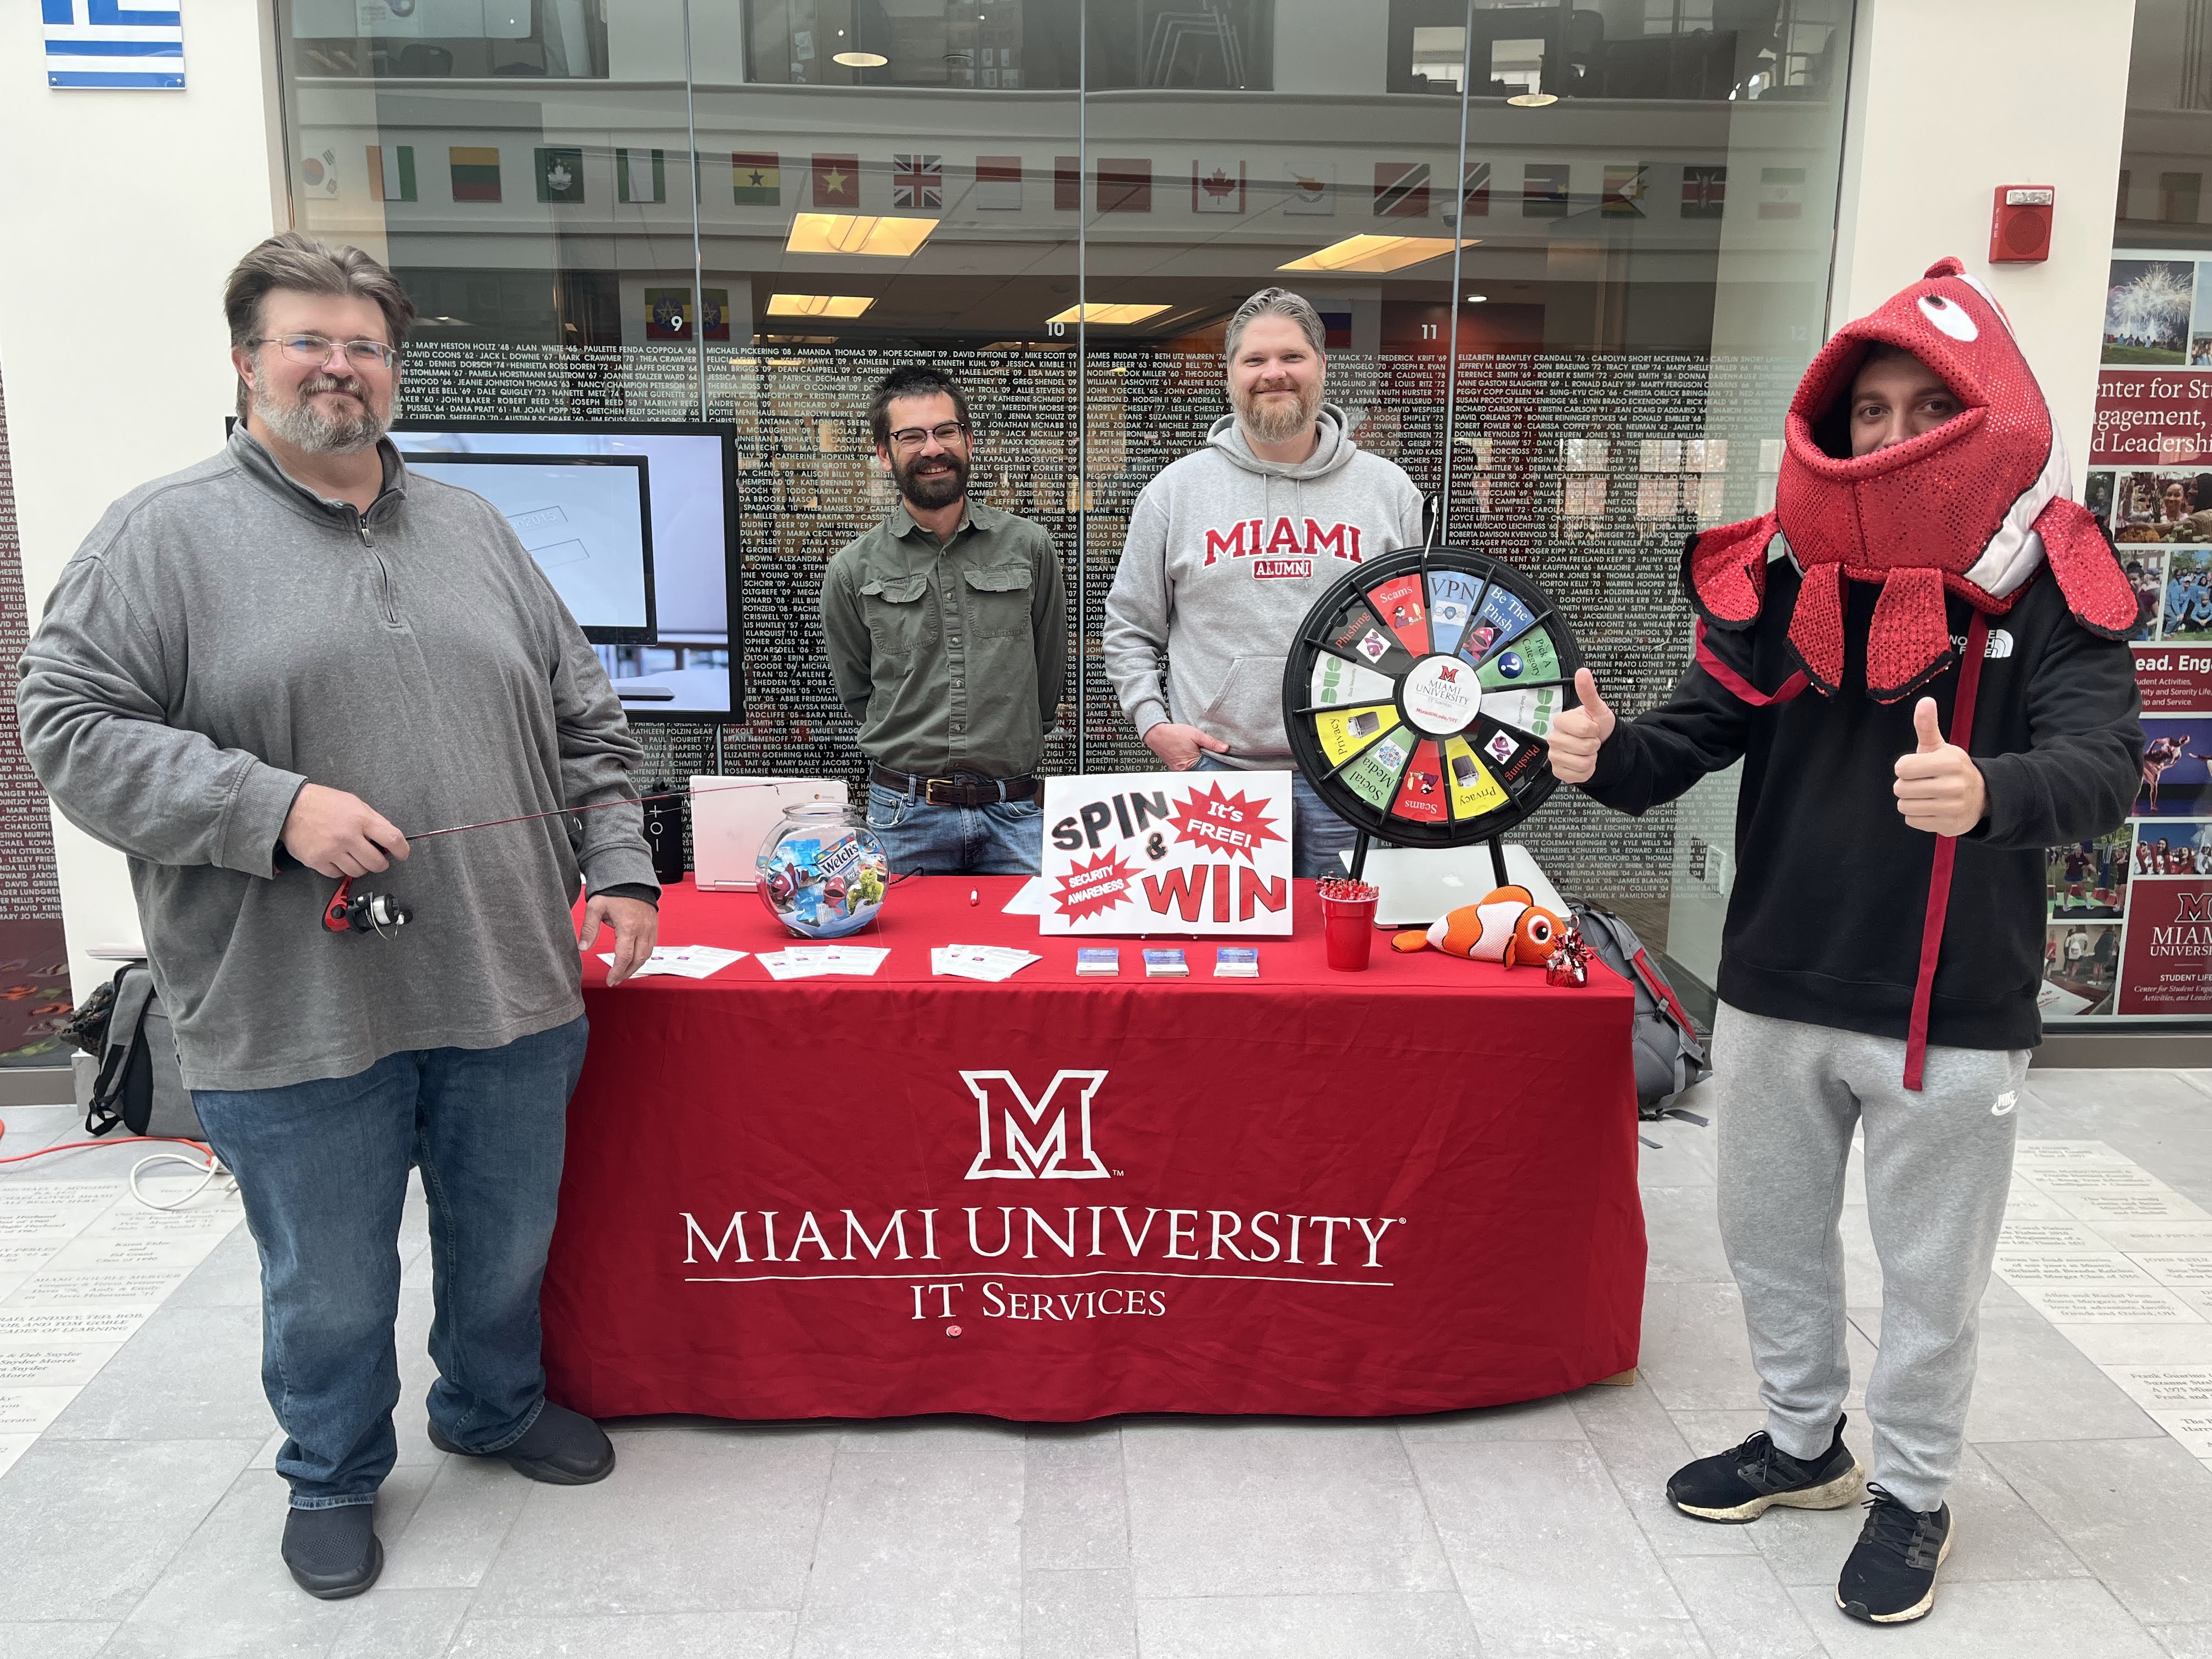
{"points": [[314, 350], [913, 437]]}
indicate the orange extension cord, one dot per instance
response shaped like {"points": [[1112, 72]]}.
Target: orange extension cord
{"points": [[71, 1146]]}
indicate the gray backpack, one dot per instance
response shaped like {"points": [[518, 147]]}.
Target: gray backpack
{"points": [[140, 1086], [1669, 1056]]}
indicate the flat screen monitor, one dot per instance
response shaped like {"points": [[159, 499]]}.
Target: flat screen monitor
{"points": [[635, 524], [587, 520]]}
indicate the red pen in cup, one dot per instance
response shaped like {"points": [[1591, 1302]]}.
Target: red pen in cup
{"points": [[1347, 909]]}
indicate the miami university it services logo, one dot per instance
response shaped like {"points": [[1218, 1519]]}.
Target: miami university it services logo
{"points": [[1045, 1139]]}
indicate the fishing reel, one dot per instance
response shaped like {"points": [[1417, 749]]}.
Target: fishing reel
{"points": [[365, 912]]}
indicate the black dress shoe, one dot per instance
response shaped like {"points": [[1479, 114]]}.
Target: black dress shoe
{"points": [[562, 1449], [333, 1554]]}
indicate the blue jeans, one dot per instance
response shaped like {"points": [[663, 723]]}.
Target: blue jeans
{"points": [[1317, 834], [323, 1169], [1006, 838]]}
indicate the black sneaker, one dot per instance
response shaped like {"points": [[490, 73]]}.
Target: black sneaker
{"points": [[1743, 1483], [1890, 1578], [562, 1448], [333, 1554]]}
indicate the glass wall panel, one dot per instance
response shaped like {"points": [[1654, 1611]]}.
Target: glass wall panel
{"points": [[609, 218], [1647, 281], [918, 215], [1198, 196]]}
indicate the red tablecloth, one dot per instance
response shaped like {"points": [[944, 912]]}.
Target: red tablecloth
{"points": [[1406, 1190]]}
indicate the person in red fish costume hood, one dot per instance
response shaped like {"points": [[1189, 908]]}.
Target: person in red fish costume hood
{"points": [[1962, 625], [1975, 508]]}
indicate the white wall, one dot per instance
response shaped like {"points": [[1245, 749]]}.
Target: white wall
{"points": [[1950, 100], [123, 212]]}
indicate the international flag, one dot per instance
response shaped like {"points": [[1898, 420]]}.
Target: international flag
{"points": [[836, 181], [320, 172], [1125, 184], [1781, 193], [96, 42], [561, 175], [1217, 185], [1544, 189], [1474, 191], [1067, 184], [1625, 187], [918, 181], [669, 313], [1401, 190], [1335, 326], [641, 175], [475, 173], [1312, 186], [756, 180], [391, 173], [1704, 189], [998, 183]]}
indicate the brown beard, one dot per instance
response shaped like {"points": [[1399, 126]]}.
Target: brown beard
{"points": [[1278, 426], [938, 489]]}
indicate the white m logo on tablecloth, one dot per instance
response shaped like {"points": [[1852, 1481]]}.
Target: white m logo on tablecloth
{"points": [[1046, 1139]]}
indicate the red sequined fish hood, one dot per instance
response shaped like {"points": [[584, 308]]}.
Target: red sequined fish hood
{"points": [[1977, 506]]}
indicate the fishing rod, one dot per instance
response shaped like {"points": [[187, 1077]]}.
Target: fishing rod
{"points": [[368, 912]]}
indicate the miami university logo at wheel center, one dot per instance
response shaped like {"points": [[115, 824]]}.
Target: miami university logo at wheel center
{"points": [[1022, 1140]]}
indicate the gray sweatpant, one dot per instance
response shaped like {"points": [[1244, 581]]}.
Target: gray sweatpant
{"points": [[1938, 1167]]}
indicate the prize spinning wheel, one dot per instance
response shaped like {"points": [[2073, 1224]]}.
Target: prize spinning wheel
{"points": [[1419, 691]]}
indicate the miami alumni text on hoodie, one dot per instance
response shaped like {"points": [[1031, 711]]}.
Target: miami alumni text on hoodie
{"points": [[1225, 555]]}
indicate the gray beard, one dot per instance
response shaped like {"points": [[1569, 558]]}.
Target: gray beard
{"points": [[299, 425], [1278, 424]]}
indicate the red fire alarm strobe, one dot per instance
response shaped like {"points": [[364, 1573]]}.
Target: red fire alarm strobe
{"points": [[2019, 224]]}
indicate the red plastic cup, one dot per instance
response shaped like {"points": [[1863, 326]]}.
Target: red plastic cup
{"points": [[1347, 909]]}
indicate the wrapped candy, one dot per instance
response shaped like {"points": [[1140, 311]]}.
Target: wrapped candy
{"points": [[1569, 962]]}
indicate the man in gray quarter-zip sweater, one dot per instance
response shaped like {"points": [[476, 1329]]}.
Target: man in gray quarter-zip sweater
{"points": [[1229, 548], [258, 675]]}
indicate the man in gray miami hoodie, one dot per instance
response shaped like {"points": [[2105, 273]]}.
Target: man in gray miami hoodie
{"points": [[1229, 548]]}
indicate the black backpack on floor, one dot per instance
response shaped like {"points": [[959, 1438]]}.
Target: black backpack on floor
{"points": [[140, 1086]]}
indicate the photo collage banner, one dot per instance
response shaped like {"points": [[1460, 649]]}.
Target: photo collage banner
{"points": [[2130, 924]]}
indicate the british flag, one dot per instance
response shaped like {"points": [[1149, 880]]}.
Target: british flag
{"points": [[917, 181]]}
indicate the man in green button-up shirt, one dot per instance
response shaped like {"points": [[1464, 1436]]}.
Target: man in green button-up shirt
{"points": [[947, 631]]}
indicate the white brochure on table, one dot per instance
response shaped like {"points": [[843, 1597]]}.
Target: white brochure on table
{"points": [[1168, 854]]}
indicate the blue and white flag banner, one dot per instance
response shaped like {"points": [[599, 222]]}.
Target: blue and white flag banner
{"points": [[113, 43]]}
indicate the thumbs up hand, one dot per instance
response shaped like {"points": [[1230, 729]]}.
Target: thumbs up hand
{"points": [[1579, 732], [1939, 788]]}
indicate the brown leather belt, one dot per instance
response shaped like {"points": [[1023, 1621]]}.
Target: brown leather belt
{"points": [[954, 792]]}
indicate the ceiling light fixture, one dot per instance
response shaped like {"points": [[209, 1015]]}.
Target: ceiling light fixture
{"points": [[1533, 100], [1096, 312], [1476, 299], [848, 233], [1373, 254], [859, 59], [818, 305]]}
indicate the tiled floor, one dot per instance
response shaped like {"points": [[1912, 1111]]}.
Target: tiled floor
{"points": [[142, 1518]]}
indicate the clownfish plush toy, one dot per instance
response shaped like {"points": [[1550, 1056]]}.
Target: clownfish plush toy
{"points": [[1506, 926]]}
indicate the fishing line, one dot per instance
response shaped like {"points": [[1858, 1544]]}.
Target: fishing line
{"points": [[382, 914]]}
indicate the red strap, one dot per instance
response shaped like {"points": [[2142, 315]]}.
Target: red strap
{"points": [[1661, 990], [1737, 686], [1947, 852]]}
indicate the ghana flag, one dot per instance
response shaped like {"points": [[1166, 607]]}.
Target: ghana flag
{"points": [[476, 172], [756, 180]]}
